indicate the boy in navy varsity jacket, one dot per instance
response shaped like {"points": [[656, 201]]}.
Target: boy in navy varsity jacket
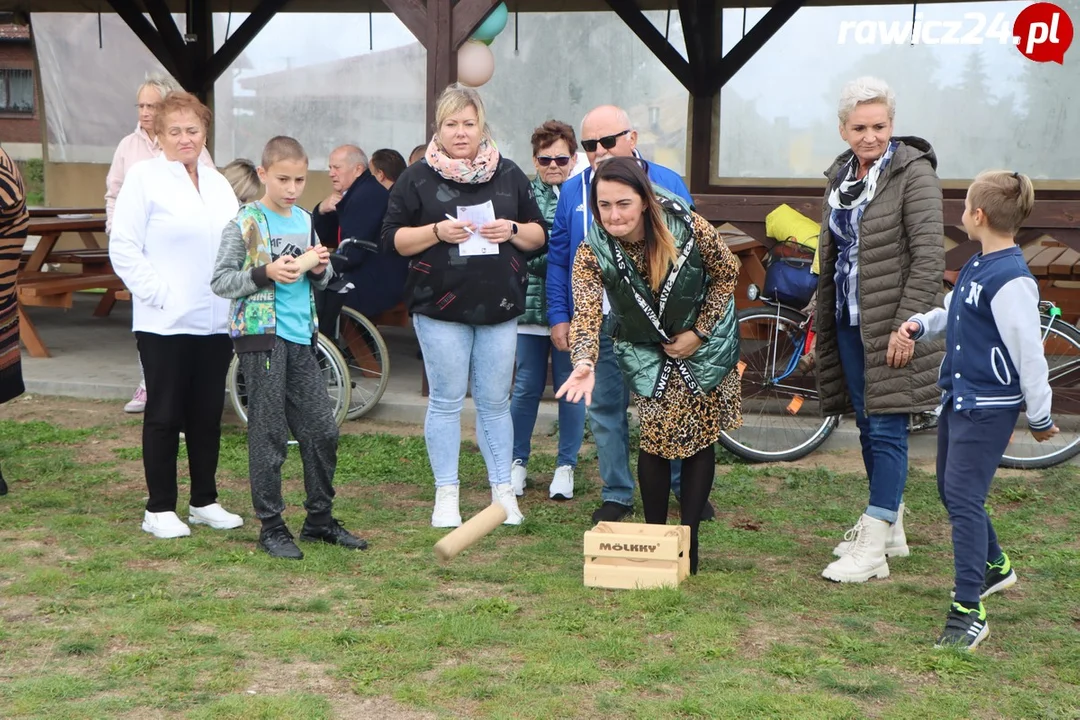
{"points": [[994, 363], [273, 327]]}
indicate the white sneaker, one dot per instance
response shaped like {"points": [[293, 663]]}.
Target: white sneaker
{"points": [[503, 494], [447, 512], [138, 401], [895, 546], [866, 559], [164, 525], [562, 485], [518, 473], [215, 516]]}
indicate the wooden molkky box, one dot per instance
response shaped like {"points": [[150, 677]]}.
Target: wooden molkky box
{"points": [[635, 555]]}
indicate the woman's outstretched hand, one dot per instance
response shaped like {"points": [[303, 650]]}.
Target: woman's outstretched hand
{"points": [[579, 383]]}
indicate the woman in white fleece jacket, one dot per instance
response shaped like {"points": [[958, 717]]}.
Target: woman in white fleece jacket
{"points": [[166, 230], [139, 146]]}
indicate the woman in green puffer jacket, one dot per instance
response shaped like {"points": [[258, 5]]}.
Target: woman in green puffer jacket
{"points": [[554, 153]]}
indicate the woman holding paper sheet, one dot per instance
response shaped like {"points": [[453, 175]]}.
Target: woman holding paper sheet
{"points": [[466, 217], [670, 279]]}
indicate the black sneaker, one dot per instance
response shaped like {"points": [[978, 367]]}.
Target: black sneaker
{"points": [[965, 628], [333, 534], [998, 577], [277, 541], [612, 511]]}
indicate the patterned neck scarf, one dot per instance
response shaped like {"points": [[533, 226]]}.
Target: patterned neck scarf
{"points": [[468, 172], [850, 192]]}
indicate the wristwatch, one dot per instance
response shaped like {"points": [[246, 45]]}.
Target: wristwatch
{"points": [[513, 229], [701, 336]]}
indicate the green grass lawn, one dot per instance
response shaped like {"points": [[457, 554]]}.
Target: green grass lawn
{"points": [[99, 620]]}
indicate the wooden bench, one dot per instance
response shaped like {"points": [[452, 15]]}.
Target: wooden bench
{"points": [[55, 289], [47, 289], [92, 261], [1050, 237]]}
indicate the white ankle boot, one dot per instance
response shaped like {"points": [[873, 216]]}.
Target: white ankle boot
{"points": [[518, 475], [447, 512], [895, 546], [503, 494], [866, 558]]}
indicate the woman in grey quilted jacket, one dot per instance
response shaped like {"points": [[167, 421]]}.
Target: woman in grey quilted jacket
{"points": [[882, 259]]}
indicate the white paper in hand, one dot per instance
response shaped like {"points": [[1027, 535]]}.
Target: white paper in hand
{"points": [[477, 215]]}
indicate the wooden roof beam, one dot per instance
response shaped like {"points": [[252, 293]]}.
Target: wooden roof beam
{"points": [[413, 15], [130, 12], [676, 64], [239, 40], [171, 39], [468, 15], [760, 34]]}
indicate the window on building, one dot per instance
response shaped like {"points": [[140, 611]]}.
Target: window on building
{"points": [[961, 84], [17, 91]]}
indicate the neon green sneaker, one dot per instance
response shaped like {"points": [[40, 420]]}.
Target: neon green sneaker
{"points": [[965, 628]]}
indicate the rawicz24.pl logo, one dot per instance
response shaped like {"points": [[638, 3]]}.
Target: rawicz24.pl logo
{"points": [[1041, 32]]}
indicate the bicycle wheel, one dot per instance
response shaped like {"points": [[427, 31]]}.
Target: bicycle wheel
{"points": [[368, 358], [1061, 345], [781, 411], [332, 366]]}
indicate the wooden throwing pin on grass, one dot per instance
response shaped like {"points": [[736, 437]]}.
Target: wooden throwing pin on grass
{"points": [[472, 530]]}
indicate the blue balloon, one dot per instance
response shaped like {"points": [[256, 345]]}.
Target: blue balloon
{"points": [[493, 25]]}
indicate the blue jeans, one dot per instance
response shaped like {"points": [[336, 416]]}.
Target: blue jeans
{"points": [[883, 437], [611, 431], [454, 353], [529, 382]]}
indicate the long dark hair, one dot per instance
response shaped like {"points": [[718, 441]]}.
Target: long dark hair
{"points": [[659, 242]]}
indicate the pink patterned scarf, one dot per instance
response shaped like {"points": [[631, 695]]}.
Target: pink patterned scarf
{"points": [[469, 172]]}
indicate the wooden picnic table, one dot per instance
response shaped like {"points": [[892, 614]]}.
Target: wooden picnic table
{"points": [[38, 288]]}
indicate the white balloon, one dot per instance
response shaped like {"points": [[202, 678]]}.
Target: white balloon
{"points": [[475, 63]]}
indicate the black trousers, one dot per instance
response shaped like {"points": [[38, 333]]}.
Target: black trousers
{"points": [[185, 390]]}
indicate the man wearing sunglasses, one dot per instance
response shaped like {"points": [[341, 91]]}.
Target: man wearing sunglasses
{"points": [[606, 132]]}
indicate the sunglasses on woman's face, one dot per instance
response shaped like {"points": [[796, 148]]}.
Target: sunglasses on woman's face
{"points": [[608, 141], [560, 160]]}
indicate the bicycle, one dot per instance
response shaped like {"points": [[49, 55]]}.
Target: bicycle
{"points": [[782, 418], [335, 371], [365, 353], [353, 334]]}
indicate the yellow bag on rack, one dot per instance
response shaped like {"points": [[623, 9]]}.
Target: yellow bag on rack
{"points": [[786, 223]]}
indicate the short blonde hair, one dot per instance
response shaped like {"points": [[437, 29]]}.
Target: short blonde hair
{"points": [[863, 91], [180, 101], [1007, 198], [456, 98], [162, 83], [244, 178]]}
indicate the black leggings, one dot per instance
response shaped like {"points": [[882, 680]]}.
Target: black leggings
{"points": [[654, 479]]}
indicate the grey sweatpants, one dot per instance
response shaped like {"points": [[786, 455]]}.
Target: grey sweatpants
{"points": [[286, 393]]}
